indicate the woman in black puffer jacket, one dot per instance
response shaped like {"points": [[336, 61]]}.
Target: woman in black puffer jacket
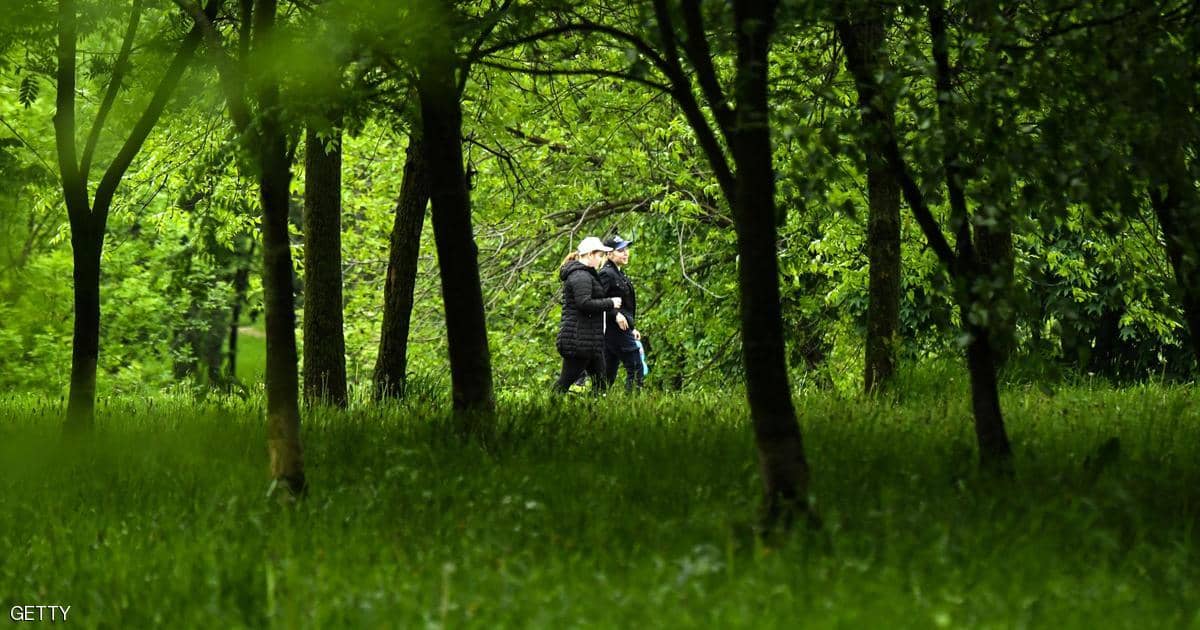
{"points": [[581, 333]]}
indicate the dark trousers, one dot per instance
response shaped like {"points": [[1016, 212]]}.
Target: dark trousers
{"points": [[631, 359], [574, 367]]}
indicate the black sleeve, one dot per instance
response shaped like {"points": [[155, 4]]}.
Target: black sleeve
{"points": [[581, 286], [608, 280]]}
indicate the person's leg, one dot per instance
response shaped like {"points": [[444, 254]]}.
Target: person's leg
{"points": [[611, 363], [633, 369], [599, 373], [572, 370]]}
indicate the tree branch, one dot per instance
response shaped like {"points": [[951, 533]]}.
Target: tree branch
{"points": [[698, 52], [154, 109], [114, 86], [227, 71], [682, 93], [584, 26], [951, 161], [491, 22], [74, 188], [590, 72]]}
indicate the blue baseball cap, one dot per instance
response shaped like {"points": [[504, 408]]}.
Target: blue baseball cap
{"points": [[616, 242]]}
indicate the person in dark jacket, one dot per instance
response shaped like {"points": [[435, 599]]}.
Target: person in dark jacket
{"points": [[580, 339], [620, 335]]}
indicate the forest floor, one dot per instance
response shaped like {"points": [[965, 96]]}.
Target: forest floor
{"points": [[611, 513]]}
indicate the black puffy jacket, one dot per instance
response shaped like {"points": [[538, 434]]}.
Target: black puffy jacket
{"points": [[581, 333]]}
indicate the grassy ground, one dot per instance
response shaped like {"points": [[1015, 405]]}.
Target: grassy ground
{"points": [[252, 353], [617, 514]]}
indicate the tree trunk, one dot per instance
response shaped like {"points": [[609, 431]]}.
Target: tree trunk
{"points": [[391, 366], [89, 221], [995, 452], [324, 340], [883, 200], [777, 434], [1178, 212], [241, 283], [994, 246], [283, 408], [85, 348], [466, 325], [963, 265]]}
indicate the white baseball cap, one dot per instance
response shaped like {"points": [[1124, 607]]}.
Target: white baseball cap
{"points": [[591, 244]]}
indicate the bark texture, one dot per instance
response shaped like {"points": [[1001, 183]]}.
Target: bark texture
{"points": [[324, 339], [777, 434], [283, 408], [962, 261], [466, 325], [391, 366], [868, 36], [85, 347]]}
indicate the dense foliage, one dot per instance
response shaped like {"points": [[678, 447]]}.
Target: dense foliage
{"points": [[553, 157]]}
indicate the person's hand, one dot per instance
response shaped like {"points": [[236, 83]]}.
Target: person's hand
{"points": [[616, 302], [637, 335], [622, 323]]}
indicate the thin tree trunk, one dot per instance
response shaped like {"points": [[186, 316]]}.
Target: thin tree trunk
{"points": [[883, 200], [283, 409], [89, 221], [391, 366], [85, 348], [995, 453], [994, 245], [963, 265], [324, 340], [466, 325], [777, 434], [1177, 207], [241, 283]]}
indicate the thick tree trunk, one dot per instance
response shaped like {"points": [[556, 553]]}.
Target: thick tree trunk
{"points": [[85, 350], [324, 340], [283, 408], [777, 434], [466, 325], [391, 366], [883, 199]]}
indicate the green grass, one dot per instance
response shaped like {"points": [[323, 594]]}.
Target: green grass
{"points": [[611, 514], [252, 354]]}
